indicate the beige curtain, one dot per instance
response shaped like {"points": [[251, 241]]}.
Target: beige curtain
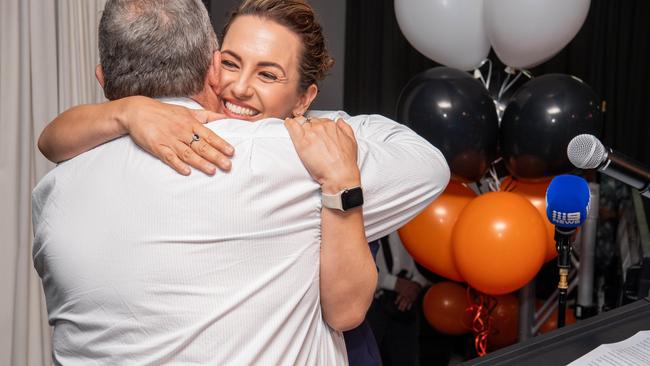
{"points": [[47, 58], [77, 22]]}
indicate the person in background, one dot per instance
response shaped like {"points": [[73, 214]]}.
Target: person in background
{"points": [[395, 312]]}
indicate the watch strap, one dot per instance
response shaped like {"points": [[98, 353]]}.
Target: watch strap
{"points": [[332, 200]]}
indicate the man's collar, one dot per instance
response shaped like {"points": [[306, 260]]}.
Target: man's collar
{"points": [[184, 102]]}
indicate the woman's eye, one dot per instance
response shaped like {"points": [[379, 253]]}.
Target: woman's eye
{"points": [[268, 76], [228, 64]]}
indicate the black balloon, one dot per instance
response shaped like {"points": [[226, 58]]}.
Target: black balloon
{"points": [[456, 114], [540, 120]]}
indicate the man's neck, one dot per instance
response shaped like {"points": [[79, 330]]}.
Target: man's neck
{"points": [[197, 98], [207, 99]]}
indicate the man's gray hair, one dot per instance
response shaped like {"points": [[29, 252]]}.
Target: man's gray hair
{"points": [[155, 48]]}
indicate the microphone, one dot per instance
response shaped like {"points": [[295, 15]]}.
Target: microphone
{"points": [[567, 202], [567, 205], [587, 152]]}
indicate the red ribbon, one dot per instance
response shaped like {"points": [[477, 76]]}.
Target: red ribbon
{"points": [[480, 306]]}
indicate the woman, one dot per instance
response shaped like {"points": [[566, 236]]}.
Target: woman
{"points": [[272, 57]]}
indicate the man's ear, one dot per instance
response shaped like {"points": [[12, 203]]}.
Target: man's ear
{"points": [[214, 72], [305, 100], [99, 74]]}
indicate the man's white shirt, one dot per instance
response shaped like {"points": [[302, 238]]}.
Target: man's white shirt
{"points": [[141, 265]]}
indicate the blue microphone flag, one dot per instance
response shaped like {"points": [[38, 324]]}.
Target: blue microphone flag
{"points": [[567, 201]]}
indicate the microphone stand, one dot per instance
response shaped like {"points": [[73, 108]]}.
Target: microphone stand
{"points": [[563, 237]]}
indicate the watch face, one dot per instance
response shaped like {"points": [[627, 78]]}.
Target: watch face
{"points": [[351, 198]]}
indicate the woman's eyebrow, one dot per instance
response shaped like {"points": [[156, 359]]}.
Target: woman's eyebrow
{"points": [[262, 63], [231, 53], [271, 64]]}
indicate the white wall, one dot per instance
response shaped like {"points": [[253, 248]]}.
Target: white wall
{"points": [[332, 17]]}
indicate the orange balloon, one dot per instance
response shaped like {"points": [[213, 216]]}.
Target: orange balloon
{"points": [[535, 192], [505, 322], [499, 242], [428, 236], [444, 307]]}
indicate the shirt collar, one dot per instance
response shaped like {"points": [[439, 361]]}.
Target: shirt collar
{"points": [[182, 101]]}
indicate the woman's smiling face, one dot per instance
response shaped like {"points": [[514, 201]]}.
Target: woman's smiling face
{"points": [[260, 75]]}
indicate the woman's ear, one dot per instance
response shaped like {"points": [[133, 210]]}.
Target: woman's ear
{"points": [[305, 100]]}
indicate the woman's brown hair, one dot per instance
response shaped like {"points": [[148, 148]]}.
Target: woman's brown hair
{"points": [[300, 18]]}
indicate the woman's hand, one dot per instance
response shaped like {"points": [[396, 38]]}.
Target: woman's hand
{"points": [[328, 150], [169, 132]]}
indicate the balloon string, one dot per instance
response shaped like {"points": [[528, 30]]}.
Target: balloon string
{"points": [[480, 306], [508, 84], [501, 91], [478, 74], [489, 76], [527, 73], [493, 180], [512, 83]]}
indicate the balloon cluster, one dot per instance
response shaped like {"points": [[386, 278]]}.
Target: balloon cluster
{"points": [[497, 241], [460, 33], [451, 308], [456, 113]]}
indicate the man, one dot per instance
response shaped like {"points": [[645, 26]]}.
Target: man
{"points": [[143, 266]]}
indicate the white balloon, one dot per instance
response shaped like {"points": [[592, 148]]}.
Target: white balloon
{"points": [[525, 33], [450, 32]]}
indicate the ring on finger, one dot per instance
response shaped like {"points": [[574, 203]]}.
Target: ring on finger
{"points": [[195, 138]]}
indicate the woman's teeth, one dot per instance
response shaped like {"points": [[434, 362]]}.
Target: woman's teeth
{"points": [[242, 111]]}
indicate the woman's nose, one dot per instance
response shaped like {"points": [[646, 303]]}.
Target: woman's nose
{"points": [[242, 88]]}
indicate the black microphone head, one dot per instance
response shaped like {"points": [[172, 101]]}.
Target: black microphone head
{"points": [[586, 152]]}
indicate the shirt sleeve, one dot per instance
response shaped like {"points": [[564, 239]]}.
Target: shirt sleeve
{"points": [[386, 281], [419, 278], [401, 173]]}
